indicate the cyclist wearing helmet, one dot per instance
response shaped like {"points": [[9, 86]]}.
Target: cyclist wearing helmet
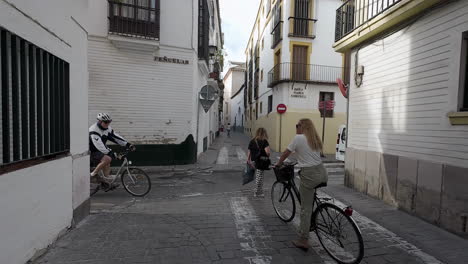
{"points": [[101, 155]]}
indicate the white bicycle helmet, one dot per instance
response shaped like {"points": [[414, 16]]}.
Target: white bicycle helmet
{"points": [[104, 117]]}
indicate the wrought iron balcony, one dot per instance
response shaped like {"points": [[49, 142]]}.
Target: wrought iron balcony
{"points": [[135, 18], [353, 13], [303, 73], [277, 34], [301, 27]]}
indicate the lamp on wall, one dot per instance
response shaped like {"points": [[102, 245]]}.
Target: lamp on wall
{"points": [[212, 50]]}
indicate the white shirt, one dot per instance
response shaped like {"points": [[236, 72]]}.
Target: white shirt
{"points": [[306, 157]]}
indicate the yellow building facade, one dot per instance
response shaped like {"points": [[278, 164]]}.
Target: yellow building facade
{"points": [[290, 61]]}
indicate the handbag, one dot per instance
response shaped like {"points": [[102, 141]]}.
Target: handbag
{"points": [[248, 174], [262, 162]]}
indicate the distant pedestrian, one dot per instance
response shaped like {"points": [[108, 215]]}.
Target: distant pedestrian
{"points": [[259, 156], [307, 146], [229, 129]]}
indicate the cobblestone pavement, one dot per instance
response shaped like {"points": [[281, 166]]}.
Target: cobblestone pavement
{"points": [[202, 214]]}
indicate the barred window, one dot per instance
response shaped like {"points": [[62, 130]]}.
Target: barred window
{"points": [[464, 74], [324, 97], [203, 30], [136, 18], [34, 101]]}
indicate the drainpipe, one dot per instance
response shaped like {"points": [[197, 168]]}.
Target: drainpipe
{"points": [[198, 121]]}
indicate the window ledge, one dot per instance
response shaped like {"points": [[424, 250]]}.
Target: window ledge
{"points": [[458, 118], [134, 43]]}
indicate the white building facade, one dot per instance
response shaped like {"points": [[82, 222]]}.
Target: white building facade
{"points": [[408, 102], [290, 61], [237, 110], [233, 109], [44, 161], [148, 62]]}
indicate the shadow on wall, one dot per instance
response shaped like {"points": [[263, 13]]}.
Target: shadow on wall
{"points": [[414, 92]]}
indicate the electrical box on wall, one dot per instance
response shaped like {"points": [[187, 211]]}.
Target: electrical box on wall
{"points": [[360, 70]]}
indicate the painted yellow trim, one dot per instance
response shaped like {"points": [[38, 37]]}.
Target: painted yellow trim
{"points": [[279, 48], [271, 122], [300, 43], [458, 118], [292, 13], [291, 48], [391, 18]]}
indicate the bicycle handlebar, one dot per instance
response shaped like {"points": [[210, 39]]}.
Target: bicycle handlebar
{"points": [[285, 164], [125, 153]]}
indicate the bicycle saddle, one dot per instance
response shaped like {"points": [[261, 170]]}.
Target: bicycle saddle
{"points": [[323, 184]]}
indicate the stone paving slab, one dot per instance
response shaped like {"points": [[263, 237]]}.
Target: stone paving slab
{"points": [[201, 214]]}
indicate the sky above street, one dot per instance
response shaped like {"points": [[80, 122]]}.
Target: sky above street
{"points": [[237, 17]]}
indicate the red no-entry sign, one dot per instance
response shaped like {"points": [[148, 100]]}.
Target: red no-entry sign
{"points": [[281, 108]]}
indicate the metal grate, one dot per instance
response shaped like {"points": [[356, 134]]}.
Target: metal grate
{"points": [[353, 14], [299, 72], [34, 101], [135, 18], [203, 30], [277, 26]]}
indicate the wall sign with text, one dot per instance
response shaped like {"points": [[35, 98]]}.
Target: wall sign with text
{"points": [[170, 60], [298, 92]]}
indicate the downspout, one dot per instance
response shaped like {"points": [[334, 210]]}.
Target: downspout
{"points": [[198, 121], [198, 96]]}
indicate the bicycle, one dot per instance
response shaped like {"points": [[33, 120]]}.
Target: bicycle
{"points": [[134, 180], [326, 219]]}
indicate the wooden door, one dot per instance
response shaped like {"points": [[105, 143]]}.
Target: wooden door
{"points": [[299, 67]]}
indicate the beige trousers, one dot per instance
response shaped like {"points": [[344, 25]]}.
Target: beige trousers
{"points": [[310, 178]]}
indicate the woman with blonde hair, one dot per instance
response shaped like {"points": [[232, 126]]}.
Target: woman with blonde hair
{"points": [[258, 157], [307, 146]]}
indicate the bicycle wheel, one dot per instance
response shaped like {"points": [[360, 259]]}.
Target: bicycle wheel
{"points": [[137, 182], [338, 234], [283, 201]]}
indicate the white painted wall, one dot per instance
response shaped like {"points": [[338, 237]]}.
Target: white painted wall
{"points": [[228, 86], [322, 54], [237, 110], [152, 102], [410, 83], [37, 203], [233, 81], [322, 51], [312, 94]]}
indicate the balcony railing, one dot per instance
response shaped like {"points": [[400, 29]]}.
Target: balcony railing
{"points": [[301, 27], [277, 34], [305, 73], [354, 13], [134, 18]]}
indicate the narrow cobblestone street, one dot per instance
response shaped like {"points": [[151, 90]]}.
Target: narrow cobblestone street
{"points": [[202, 214]]}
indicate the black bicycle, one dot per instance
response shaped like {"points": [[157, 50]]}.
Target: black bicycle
{"points": [[334, 226], [134, 180]]}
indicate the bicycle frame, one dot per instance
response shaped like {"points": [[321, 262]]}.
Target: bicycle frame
{"points": [[317, 200], [124, 166]]}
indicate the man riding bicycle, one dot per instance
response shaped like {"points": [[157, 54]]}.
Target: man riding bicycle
{"points": [[101, 155]]}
